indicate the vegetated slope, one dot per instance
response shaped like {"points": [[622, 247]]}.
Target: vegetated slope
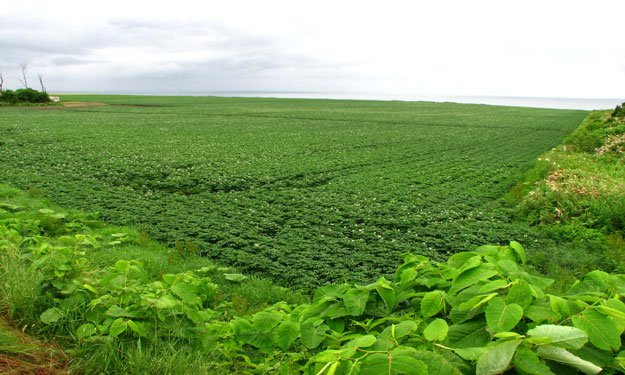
{"points": [[576, 195], [303, 191]]}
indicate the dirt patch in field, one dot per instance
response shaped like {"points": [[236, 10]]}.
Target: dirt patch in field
{"points": [[82, 104], [21, 354], [65, 105]]}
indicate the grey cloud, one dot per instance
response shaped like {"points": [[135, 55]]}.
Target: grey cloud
{"points": [[36, 41], [236, 59], [74, 60]]}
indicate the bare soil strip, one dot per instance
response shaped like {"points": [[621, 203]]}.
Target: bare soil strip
{"points": [[82, 104]]}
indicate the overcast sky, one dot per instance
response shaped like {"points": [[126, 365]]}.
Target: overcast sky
{"points": [[505, 48]]}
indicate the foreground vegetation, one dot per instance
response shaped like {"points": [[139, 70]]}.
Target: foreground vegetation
{"points": [[304, 192], [68, 275]]}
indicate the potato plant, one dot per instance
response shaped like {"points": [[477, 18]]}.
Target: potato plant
{"points": [[305, 192]]}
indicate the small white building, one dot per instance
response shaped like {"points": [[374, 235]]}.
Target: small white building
{"points": [[55, 98]]}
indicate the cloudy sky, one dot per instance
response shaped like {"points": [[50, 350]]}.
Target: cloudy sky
{"points": [[547, 48]]}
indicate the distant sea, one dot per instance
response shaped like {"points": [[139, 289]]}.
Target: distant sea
{"points": [[515, 101], [562, 103]]}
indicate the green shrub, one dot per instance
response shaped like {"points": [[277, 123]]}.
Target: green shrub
{"points": [[32, 96], [8, 96], [584, 140], [619, 111], [24, 96], [611, 213]]}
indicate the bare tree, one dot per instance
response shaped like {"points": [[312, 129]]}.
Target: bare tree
{"points": [[1, 83], [40, 76], [23, 81]]}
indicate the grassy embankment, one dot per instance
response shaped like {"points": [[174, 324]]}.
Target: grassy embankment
{"points": [[575, 195]]}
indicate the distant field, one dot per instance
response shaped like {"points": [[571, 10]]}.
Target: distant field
{"points": [[302, 191]]}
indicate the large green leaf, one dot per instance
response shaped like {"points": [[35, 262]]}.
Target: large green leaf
{"points": [[537, 283], [436, 363], [493, 285], [457, 316], [564, 356], [599, 357], [241, 327], [519, 251], [51, 315], [459, 259], [355, 301], [501, 317], [595, 283], [436, 330], [407, 277], [541, 313], [378, 364], [601, 330], [410, 262], [472, 262], [361, 342], [471, 334], [613, 309], [137, 327], [470, 277], [164, 302], [313, 332], [286, 333], [476, 302], [265, 321], [565, 307], [86, 330], [521, 294], [117, 327], [405, 328], [397, 331], [116, 312], [317, 309], [529, 363], [385, 290], [236, 277], [330, 292], [563, 336], [616, 304], [186, 292], [244, 332], [471, 354], [489, 250], [496, 360], [432, 303]]}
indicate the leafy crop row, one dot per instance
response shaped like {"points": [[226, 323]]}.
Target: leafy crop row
{"points": [[480, 312], [303, 191]]}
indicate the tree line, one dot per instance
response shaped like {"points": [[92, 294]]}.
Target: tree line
{"points": [[25, 94]]}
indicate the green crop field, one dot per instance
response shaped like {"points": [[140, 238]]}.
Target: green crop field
{"points": [[302, 191]]}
